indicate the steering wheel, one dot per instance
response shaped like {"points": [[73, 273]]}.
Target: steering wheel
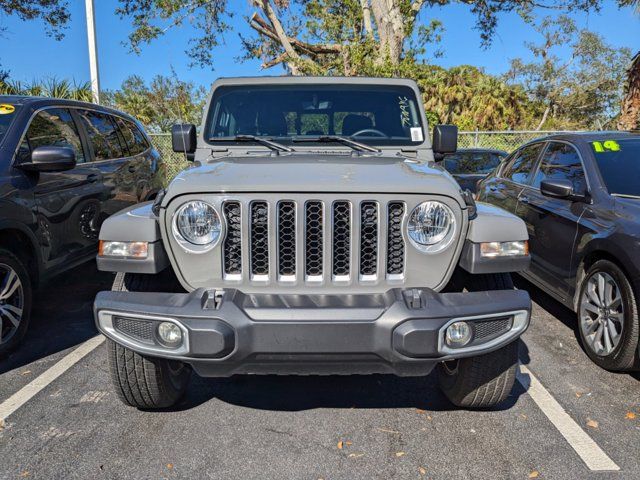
{"points": [[377, 133]]}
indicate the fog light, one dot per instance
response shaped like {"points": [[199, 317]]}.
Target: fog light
{"points": [[170, 334], [458, 334]]}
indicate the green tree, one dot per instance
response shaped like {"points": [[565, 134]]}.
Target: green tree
{"points": [[163, 102], [54, 13], [321, 36], [581, 91], [50, 87]]}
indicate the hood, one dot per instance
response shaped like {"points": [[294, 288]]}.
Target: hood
{"points": [[315, 173]]}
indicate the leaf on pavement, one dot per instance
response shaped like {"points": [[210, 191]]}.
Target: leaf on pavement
{"points": [[340, 445], [399, 454], [423, 471], [1, 424], [592, 423], [170, 466], [356, 455], [630, 416], [420, 411], [25, 474], [534, 474], [26, 372]]}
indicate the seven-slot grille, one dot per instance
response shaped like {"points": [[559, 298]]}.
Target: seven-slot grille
{"points": [[354, 247]]}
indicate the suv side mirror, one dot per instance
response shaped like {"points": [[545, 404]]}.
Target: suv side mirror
{"points": [[183, 138], [560, 188], [445, 140], [50, 158]]}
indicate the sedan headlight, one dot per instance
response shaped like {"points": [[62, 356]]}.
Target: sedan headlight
{"points": [[198, 224], [431, 226]]}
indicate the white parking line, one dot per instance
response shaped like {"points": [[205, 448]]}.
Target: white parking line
{"points": [[588, 450], [22, 396]]}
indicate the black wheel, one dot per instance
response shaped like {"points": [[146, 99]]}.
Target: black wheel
{"points": [[486, 380], [608, 317], [480, 382], [15, 301], [141, 381]]}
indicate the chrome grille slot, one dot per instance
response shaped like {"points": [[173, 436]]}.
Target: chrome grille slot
{"points": [[341, 240], [259, 239], [313, 239], [368, 239], [233, 240], [395, 240], [287, 239]]}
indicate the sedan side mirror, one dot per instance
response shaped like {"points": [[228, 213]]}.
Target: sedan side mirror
{"points": [[183, 138], [560, 188], [50, 158], [445, 140]]}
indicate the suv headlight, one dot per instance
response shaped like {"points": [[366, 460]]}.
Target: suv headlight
{"points": [[431, 226], [198, 224]]}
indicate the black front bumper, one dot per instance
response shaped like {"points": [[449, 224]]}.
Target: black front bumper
{"points": [[228, 332]]}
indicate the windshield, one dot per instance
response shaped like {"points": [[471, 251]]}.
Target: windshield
{"points": [[472, 162], [376, 114], [619, 164], [7, 114]]}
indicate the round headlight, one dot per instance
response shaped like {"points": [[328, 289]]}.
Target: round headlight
{"points": [[430, 225], [198, 223]]}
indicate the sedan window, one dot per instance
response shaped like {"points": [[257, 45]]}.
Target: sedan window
{"points": [[561, 162], [619, 164], [522, 163]]}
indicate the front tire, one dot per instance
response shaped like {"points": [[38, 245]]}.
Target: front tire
{"points": [[486, 380], [608, 318], [141, 381], [15, 301]]}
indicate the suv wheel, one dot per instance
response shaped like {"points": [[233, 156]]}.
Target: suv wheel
{"points": [[486, 380], [15, 301], [608, 317], [141, 381]]}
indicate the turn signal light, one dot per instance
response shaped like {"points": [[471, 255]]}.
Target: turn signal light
{"points": [[108, 248], [504, 249]]}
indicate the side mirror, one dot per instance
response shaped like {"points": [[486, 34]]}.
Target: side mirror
{"points": [[49, 158], [445, 140], [562, 189], [184, 138]]}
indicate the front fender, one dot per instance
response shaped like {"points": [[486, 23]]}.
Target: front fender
{"points": [[134, 224], [493, 224]]}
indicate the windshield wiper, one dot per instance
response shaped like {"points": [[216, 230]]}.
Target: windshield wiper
{"points": [[360, 147], [275, 146]]}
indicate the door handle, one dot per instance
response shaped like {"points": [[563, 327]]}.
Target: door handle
{"points": [[131, 169], [93, 178], [524, 199], [493, 188]]}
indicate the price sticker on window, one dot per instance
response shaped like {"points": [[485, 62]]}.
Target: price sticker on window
{"points": [[6, 109], [606, 146]]}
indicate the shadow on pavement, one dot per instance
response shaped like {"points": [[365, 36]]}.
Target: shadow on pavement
{"points": [[297, 393], [62, 315]]}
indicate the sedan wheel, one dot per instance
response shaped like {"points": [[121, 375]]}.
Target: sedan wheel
{"points": [[608, 317], [11, 303], [601, 314]]}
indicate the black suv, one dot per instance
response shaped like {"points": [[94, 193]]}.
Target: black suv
{"points": [[580, 198], [65, 166]]}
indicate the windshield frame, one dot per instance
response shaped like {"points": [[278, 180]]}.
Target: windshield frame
{"points": [[329, 83]]}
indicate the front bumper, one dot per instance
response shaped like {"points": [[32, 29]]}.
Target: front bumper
{"points": [[228, 332]]}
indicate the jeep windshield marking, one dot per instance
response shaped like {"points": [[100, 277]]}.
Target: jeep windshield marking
{"points": [[374, 115]]}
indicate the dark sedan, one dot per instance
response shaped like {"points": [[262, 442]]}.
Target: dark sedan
{"points": [[579, 195], [470, 165]]}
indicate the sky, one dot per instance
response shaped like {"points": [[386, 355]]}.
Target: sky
{"points": [[29, 54]]}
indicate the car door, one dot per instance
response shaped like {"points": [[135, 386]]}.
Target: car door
{"points": [[553, 222], [503, 189], [111, 156], [68, 203]]}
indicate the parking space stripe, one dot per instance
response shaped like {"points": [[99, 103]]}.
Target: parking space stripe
{"points": [[22, 396], [588, 450]]}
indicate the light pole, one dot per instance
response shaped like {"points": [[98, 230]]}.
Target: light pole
{"points": [[93, 51]]}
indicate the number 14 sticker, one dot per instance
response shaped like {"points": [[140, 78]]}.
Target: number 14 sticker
{"points": [[606, 146]]}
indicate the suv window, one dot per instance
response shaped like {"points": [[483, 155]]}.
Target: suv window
{"points": [[103, 135], [54, 127], [522, 163], [472, 162], [136, 141], [561, 162]]}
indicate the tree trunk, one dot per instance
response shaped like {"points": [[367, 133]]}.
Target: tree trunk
{"points": [[390, 24], [545, 115], [630, 111]]}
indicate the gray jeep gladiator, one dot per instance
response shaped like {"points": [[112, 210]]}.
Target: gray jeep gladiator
{"points": [[315, 234]]}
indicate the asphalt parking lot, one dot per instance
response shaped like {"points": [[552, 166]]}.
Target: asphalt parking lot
{"points": [[566, 418]]}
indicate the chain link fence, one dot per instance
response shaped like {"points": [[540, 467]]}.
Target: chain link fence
{"points": [[505, 140]]}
